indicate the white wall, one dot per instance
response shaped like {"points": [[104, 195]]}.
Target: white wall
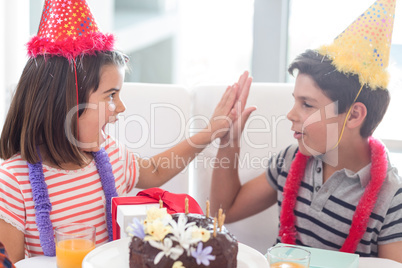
{"points": [[2, 63], [103, 11], [269, 57], [14, 33]]}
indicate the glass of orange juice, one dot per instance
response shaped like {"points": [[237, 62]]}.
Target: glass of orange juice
{"points": [[73, 242], [288, 257]]}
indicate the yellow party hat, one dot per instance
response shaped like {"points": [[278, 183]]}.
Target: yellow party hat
{"points": [[364, 47]]}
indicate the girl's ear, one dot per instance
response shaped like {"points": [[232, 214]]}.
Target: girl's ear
{"points": [[357, 115]]}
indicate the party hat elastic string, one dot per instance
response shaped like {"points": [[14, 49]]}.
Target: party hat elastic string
{"points": [[76, 93], [346, 118]]}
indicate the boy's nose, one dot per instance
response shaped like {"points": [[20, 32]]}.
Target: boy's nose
{"points": [[291, 115]]}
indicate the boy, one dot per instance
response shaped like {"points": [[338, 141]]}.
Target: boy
{"points": [[335, 189]]}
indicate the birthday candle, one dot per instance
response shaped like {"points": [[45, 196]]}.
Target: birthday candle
{"points": [[186, 205], [214, 227], [207, 213], [160, 203], [219, 215]]}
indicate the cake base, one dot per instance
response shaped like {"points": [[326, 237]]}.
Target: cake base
{"points": [[224, 248]]}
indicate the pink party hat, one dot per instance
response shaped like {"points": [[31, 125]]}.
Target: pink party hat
{"points": [[364, 47], [67, 28]]}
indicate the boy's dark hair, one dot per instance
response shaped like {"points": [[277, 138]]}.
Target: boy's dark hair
{"points": [[44, 96], [343, 88]]}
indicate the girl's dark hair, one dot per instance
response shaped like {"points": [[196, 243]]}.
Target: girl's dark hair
{"points": [[343, 88], [45, 93]]}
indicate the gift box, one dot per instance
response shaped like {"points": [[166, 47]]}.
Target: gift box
{"points": [[321, 258], [124, 209]]}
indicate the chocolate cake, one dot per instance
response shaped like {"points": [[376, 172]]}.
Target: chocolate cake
{"points": [[189, 241]]}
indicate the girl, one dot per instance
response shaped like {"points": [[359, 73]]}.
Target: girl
{"points": [[73, 167], [59, 165]]}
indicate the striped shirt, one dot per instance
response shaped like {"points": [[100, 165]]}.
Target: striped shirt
{"points": [[75, 195], [324, 211]]}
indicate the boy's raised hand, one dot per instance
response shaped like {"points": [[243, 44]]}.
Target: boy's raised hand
{"points": [[241, 114]]}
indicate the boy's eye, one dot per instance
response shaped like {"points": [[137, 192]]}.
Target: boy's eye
{"points": [[305, 104]]}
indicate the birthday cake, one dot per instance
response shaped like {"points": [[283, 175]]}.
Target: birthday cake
{"points": [[181, 240]]}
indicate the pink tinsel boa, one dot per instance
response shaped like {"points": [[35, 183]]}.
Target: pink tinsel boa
{"points": [[379, 164]]}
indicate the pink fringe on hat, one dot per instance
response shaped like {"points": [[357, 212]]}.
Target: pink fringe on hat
{"points": [[70, 48]]}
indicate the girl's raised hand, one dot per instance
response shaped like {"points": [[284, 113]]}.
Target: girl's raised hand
{"points": [[230, 109], [224, 113]]}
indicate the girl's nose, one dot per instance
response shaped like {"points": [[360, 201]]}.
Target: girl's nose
{"points": [[120, 107]]}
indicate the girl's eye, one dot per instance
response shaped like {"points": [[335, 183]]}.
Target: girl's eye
{"points": [[305, 104], [111, 96]]}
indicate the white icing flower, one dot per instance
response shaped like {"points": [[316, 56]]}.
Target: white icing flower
{"points": [[182, 232], [166, 250]]}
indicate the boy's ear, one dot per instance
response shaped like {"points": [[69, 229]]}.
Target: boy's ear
{"points": [[357, 115]]}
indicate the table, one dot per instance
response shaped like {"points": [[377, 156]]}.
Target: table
{"points": [[50, 262], [37, 262]]}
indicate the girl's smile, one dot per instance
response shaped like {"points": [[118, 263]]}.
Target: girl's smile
{"points": [[103, 107]]}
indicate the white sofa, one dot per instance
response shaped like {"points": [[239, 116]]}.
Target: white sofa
{"points": [[159, 116]]}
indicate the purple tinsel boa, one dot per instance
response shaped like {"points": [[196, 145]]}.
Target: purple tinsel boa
{"points": [[108, 184], [42, 208], [43, 205]]}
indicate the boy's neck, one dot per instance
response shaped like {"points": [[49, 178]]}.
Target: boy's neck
{"points": [[351, 154]]}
